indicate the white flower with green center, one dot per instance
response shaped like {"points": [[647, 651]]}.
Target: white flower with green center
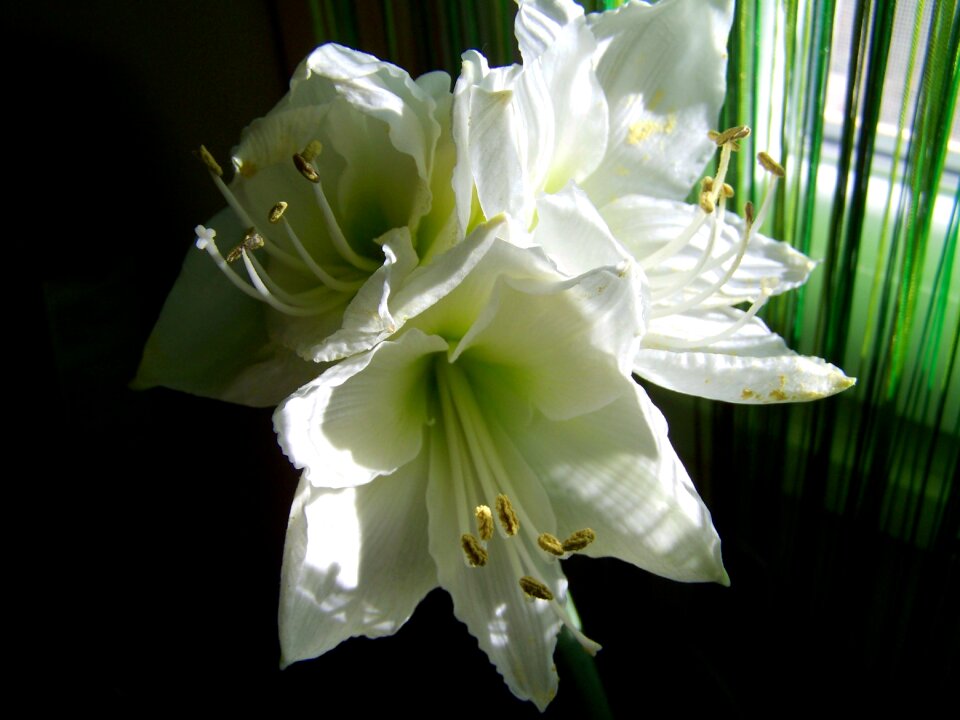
{"points": [[340, 191], [497, 432], [607, 123]]}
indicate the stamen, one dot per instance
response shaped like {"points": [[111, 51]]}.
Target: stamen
{"points": [[208, 160], [322, 275], [770, 165], [748, 212], [507, 515], [550, 544], [729, 135], [276, 212], [312, 150], [706, 202], [484, 522], [727, 190], [579, 540], [251, 241], [535, 589], [473, 551], [306, 168], [706, 185]]}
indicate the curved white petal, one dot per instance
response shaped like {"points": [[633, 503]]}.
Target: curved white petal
{"points": [[367, 318], [772, 374], [355, 562], [213, 341], [363, 417], [662, 69], [644, 225], [376, 88], [540, 22], [573, 234], [559, 344], [616, 472], [517, 633]]}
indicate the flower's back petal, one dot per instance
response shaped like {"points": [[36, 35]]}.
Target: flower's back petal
{"points": [[662, 69], [355, 562], [539, 22], [213, 341], [615, 471]]}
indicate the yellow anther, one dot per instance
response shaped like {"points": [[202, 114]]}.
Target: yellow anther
{"points": [[507, 515], [706, 202], [535, 589], [313, 148], [729, 135], [706, 185], [748, 212], [727, 190], [579, 540], [305, 168], [473, 550], [551, 544], [277, 211], [484, 522], [210, 162], [251, 241], [770, 165]]}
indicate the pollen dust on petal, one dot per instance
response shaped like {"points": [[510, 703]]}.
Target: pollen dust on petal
{"points": [[645, 129]]}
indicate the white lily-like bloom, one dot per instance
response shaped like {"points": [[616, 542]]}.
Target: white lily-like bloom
{"points": [[496, 432], [608, 121], [339, 192]]}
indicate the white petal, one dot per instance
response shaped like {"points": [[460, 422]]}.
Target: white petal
{"points": [[214, 341], [355, 562], [518, 634], [367, 318], [644, 225], [753, 366], [363, 417], [662, 68], [376, 88], [559, 344], [573, 234], [616, 472], [539, 22]]}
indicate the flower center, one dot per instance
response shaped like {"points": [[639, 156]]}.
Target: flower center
{"points": [[331, 291], [478, 473], [672, 292]]}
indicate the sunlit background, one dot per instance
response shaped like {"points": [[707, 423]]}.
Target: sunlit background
{"points": [[840, 519]]}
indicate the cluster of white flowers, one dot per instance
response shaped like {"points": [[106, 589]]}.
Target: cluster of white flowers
{"points": [[452, 291]]}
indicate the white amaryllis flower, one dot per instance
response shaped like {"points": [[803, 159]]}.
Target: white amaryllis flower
{"points": [[608, 122], [338, 193], [498, 431]]}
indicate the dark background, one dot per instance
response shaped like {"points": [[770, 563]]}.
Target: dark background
{"points": [[148, 527]]}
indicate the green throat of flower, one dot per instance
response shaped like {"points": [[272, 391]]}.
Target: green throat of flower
{"points": [[328, 290], [478, 472]]}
